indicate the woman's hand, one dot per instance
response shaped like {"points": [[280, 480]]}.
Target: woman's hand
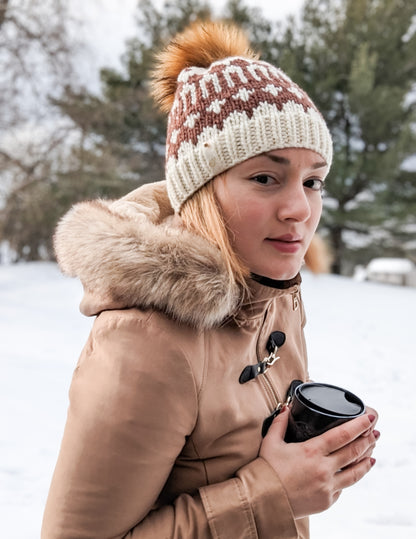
{"points": [[315, 472]]}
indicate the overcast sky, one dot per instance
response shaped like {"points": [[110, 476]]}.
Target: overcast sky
{"points": [[106, 24]]}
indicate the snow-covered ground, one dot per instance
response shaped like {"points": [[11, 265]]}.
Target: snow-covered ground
{"points": [[360, 335]]}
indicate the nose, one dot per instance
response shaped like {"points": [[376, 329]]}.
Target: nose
{"points": [[293, 203]]}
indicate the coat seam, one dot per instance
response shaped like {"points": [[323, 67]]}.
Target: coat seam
{"points": [[210, 514], [248, 510]]}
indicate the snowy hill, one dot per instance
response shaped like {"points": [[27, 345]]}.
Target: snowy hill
{"points": [[360, 336]]}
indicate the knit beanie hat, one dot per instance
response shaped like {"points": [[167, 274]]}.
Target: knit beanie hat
{"points": [[225, 106]]}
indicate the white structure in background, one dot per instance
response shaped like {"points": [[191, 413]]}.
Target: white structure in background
{"points": [[399, 271]]}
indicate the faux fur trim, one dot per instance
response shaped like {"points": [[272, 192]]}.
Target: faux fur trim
{"points": [[130, 253]]}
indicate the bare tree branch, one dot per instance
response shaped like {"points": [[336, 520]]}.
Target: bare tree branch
{"points": [[3, 11], [36, 57]]}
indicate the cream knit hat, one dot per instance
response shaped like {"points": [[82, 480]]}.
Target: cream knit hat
{"points": [[234, 109]]}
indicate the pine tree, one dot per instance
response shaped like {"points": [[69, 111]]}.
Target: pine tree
{"points": [[123, 122], [357, 60]]}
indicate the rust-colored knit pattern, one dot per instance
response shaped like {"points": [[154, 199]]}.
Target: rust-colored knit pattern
{"points": [[207, 99], [233, 110]]}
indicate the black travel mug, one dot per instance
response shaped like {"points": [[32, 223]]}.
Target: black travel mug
{"points": [[316, 408]]}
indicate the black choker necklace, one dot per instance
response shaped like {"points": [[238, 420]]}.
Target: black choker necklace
{"points": [[274, 283]]}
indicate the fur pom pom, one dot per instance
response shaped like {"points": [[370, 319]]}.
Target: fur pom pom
{"points": [[199, 45]]}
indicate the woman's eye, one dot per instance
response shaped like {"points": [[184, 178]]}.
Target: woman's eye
{"points": [[316, 184], [263, 179]]}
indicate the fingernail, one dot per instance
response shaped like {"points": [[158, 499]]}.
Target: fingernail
{"points": [[372, 462], [376, 434], [371, 418]]}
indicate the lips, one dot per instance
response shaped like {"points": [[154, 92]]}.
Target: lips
{"points": [[287, 238], [287, 243]]}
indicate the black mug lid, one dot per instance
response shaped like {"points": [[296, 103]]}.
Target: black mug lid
{"points": [[329, 399]]}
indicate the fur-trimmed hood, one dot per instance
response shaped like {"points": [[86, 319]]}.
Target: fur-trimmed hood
{"points": [[132, 253]]}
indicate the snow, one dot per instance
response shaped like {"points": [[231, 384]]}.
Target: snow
{"points": [[360, 336], [390, 265]]}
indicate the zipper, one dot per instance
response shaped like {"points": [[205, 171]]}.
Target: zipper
{"points": [[259, 370], [274, 342], [271, 392], [265, 381], [289, 395]]}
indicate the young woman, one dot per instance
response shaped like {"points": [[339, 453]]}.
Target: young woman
{"points": [[189, 280]]}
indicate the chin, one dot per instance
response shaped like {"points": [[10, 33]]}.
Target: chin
{"points": [[281, 275]]}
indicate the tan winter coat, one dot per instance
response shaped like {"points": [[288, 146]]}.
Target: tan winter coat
{"points": [[162, 439]]}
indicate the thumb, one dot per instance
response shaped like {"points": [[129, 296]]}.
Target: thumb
{"points": [[279, 425]]}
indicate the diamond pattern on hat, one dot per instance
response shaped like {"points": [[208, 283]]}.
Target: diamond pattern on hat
{"points": [[233, 110]]}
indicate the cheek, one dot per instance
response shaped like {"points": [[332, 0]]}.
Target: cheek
{"points": [[316, 212], [238, 208], [246, 219]]}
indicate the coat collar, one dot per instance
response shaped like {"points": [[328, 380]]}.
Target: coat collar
{"points": [[130, 253]]}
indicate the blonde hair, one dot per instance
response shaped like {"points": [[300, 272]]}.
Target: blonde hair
{"points": [[318, 257], [201, 213]]}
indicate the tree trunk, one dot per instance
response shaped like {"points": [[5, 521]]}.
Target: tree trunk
{"points": [[3, 11], [337, 245]]}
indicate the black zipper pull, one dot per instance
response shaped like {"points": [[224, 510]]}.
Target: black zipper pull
{"points": [[274, 342], [293, 385], [251, 371], [269, 420]]}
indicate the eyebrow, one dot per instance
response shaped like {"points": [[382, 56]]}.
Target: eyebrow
{"points": [[285, 161]]}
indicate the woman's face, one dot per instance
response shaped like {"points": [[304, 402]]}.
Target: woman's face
{"points": [[272, 204]]}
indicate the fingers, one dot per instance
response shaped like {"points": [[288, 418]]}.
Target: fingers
{"points": [[279, 425], [332, 461], [352, 474], [341, 436], [371, 411], [355, 452]]}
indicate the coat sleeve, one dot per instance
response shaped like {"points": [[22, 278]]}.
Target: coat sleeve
{"points": [[133, 401]]}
